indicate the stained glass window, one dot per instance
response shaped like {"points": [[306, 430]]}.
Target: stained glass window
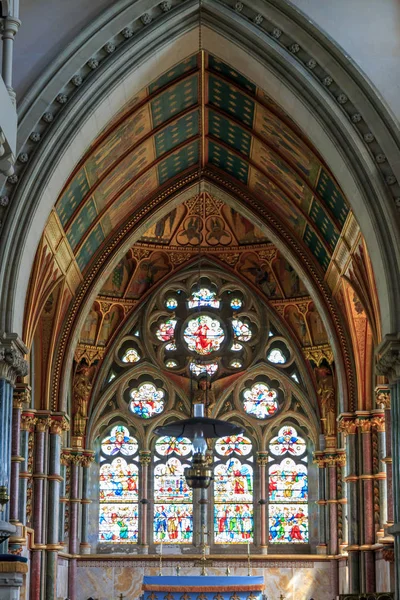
{"points": [[147, 401], [236, 347], [233, 491], [241, 330], [171, 303], [209, 368], [203, 297], [260, 401], [166, 331], [171, 364], [118, 515], [236, 303], [131, 356], [288, 488], [235, 364], [173, 509], [276, 356], [204, 334], [170, 347]]}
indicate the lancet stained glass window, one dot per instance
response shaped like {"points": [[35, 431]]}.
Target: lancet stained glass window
{"points": [[118, 515], [288, 488], [173, 509], [233, 490]]}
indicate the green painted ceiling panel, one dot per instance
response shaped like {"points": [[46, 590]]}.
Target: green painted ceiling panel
{"points": [[174, 100], [324, 224], [329, 192], [81, 223], [92, 243], [176, 133], [228, 161], [215, 64], [231, 100], [179, 161], [316, 247], [72, 196], [175, 72], [233, 135]]}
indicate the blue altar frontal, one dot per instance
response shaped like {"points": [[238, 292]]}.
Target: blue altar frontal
{"points": [[203, 588]]}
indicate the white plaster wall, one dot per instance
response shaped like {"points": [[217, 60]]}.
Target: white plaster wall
{"points": [[369, 33]]}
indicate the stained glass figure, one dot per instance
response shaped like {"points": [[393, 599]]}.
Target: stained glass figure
{"points": [[147, 400], [233, 491], [236, 303], [170, 347], [233, 444], [131, 356], [288, 481], [118, 486], [236, 347], [241, 330], [165, 446], [171, 303], [118, 523], [171, 364], [287, 440], [173, 510], [260, 401], [288, 523], [204, 334], [276, 356], [209, 368], [288, 489], [166, 331], [235, 364], [203, 297], [119, 441]]}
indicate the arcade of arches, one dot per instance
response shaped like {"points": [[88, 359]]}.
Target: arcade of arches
{"points": [[212, 226]]}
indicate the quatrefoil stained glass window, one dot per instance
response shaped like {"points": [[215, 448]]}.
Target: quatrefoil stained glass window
{"points": [[260, 401], [147, 401]]}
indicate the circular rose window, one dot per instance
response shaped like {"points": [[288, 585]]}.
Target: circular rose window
{"points": [[204, 334]]}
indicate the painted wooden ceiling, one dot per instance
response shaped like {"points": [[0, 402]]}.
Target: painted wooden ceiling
{"points": [[204, 112]]}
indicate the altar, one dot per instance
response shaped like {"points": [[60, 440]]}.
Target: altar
{"points": [[202, 588]]}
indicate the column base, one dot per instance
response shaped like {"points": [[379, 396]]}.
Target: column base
{"points": [[85, 548], [322, 549], [144, 549], [263, 549]]}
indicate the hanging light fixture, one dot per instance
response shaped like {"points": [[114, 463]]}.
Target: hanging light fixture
{"points": [[199, 428]]}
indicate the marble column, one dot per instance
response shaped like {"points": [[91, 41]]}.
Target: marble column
{"points": [[12, 365], [388, 364], [348, 426], [367, 492], [58, 424], [74, 503], [262, 460], [322, 547], [379, 425], [28, 422], [39, 477], [87, 460], [145, 460]]}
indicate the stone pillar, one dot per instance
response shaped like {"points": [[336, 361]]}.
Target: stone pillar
{"points": [[87, 459], [39, 477], [348, 426], [144, 459], [319, 459], [58, 424], [10, 28], [382, 395], [364, 423], [388, 364], [262, 460], [12, 365], [74, 503]]}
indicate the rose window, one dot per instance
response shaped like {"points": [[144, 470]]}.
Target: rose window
{"points": [[204, 334]]}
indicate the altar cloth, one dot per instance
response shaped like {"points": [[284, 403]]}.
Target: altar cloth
{"points": [[200, 583]]}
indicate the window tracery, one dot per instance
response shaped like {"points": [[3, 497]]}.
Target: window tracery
{"points": [[260, 401], [147, 401]]}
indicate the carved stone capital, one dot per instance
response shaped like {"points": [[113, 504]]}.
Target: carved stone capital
{"points": [[365, 425], [144, 457], [43, 423], [22, 395], [58, 424], [262, 458], [379, 422], [28, 421], [65, 457], [388, 358], [12, 362], [347, 425], [87, 458], [382, 397]]}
